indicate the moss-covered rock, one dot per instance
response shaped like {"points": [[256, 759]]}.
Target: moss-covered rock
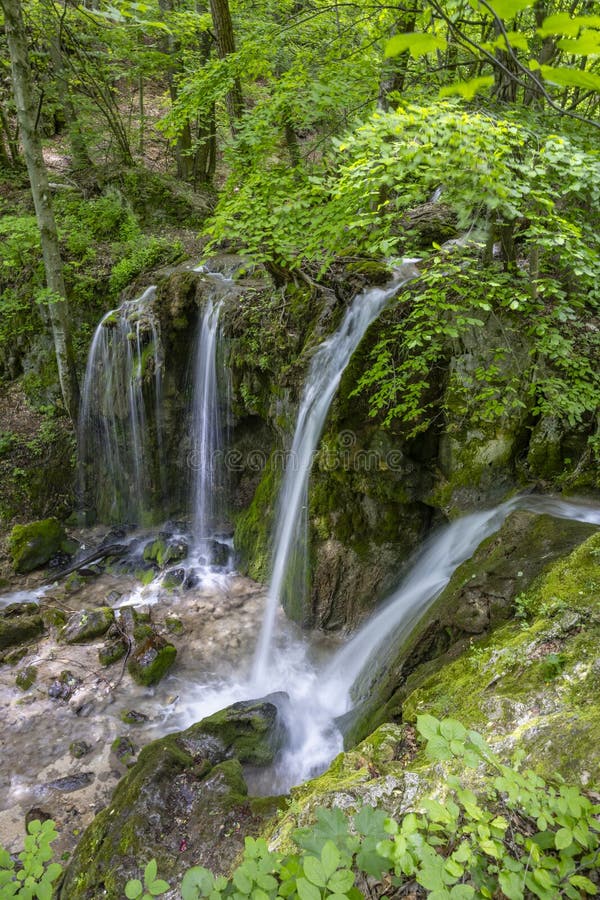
{"points": [[249, 730], [87, 624], [33, 545], [184, 803], [480, 596], [19, 629], [533, 683], [151, 660], [26, 678], [112, 651]]}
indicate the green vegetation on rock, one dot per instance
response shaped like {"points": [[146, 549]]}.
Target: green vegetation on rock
{"points": [[33, 545]]}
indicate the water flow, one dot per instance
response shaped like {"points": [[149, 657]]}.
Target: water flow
{"points": [[120, 423], [206, 431], [358, 666], [326, 370]]}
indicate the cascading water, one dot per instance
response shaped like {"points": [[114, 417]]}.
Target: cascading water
{"points": [[206, 433], [345, 681], [120, 422], [326, 370]]}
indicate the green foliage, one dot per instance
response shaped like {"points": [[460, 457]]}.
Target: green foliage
{"points": [[34, 875], [152, 886], [521, 837], [515, 835]]}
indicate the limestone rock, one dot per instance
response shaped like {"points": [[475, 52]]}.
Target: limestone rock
{"points": [[87, 624]]}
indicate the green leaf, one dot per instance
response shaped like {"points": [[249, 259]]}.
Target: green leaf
{"points": [[587, 44], [563, 23], [564, 77], [563, 838], [314, 871], [580, 881], [158, 887], [306, 890], [467, 89], [428, 726], [512, 885], [453, 730], [133, 889], [53, 871], [330, 859], [341, 881], [506, 9], [150, 872], [197, 882], [241, 881], [43, 890], [416, 42]]}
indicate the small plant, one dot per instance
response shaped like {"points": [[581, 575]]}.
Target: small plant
{"points": [[152, 886], [36, 875]]}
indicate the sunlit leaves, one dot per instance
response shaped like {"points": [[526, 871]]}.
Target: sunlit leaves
{"points": [[417, 43], [564, 77], [564, 23], [467, 89]]}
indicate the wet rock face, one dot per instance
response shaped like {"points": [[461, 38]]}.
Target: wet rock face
{"points": [[184, 803], [33, 545], [19, 624], [480, 596], [87, 624], [151, 660]]}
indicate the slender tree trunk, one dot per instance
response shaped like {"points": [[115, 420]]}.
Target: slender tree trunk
{"points": [[38, 178], [221, 16], [79, 150], [393, 70], [11, 140]]}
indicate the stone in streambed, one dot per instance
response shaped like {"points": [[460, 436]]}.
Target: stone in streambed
{"points": [[16, 628], [79, 749], [184, 803], [26, 678], [87, 624], [112, 651], [151, 660], [33, 545]]}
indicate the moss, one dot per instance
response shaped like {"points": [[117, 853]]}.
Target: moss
{"points": [[534, 683], [249, 730], [151, 661], [174, 625], [252, 537], [33, 545], [87, 624], [111, 652], [26, 678], [19, 630]]}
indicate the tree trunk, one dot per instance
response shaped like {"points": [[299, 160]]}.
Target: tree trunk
{"points": [[221, 16], [38, 178]]}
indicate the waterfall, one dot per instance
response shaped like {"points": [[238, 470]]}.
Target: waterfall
{"points": [[359, 664], [120, 430], [327, 367], [206, 432]]}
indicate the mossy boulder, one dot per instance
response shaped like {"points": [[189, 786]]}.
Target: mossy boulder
{"points": [[32, 546], [87, 624], [112, 651], [248, 730], [16, 629], [184, 802], [151, 660]]}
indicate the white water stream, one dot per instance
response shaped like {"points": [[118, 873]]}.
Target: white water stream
{"points": [[326, 370], [207, 430], [120, 453]]}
